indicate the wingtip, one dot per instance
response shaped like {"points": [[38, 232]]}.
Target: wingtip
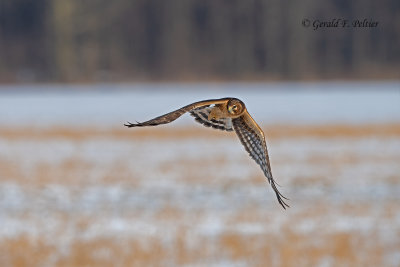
{"points": [[129, 124], [283, 204], [279, 195]]}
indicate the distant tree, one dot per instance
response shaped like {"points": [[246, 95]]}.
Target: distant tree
{"points": [[74, 40]]}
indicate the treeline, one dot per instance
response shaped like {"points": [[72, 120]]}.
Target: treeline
{"points": [[127, 40]]}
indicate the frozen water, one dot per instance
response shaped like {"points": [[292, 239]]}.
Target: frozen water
{"points": [[271, 103]]}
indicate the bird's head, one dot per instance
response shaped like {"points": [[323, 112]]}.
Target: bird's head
{"points": [[235, 107]]}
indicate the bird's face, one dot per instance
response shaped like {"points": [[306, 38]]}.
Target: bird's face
{"points": [[235, 107]]}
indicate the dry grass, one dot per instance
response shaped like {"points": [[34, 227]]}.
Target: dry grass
{"points": [[165, 132], [284, 249], [183, 231]]}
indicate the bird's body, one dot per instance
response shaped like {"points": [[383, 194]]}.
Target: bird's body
{"points": [[227, 114]]}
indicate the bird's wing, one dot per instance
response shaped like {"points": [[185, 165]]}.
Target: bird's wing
{"points": [[252, 138], [196, 107], [201, 116]]}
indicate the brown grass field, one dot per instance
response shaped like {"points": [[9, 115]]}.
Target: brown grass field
{"points": [[171, 196]]}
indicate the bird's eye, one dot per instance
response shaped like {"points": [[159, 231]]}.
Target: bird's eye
{"points": [[233, 109]]}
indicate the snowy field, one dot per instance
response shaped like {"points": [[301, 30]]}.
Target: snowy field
{"points": [[78, 189]]}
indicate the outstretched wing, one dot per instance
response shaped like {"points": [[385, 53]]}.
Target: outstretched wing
{"points": [[169, 117], [252, 138]]}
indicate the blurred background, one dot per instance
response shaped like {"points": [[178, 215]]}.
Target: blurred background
{"points": [[77, 188], [90, 41]]}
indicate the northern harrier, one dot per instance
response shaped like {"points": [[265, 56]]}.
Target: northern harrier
{"points": [[227, 114]]}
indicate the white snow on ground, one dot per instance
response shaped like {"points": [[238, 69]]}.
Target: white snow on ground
{"points": [[151, 176], [353, 182]]}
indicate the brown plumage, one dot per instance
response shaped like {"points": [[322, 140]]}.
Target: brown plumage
{"points": [[227, 114]]}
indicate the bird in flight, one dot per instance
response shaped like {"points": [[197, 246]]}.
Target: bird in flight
{"points": [[227, 114]]}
